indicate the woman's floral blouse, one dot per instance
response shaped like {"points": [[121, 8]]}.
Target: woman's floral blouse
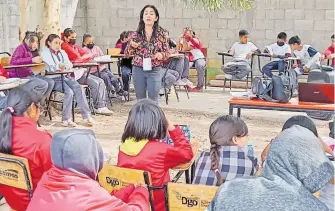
{"points": [[146, 49]]}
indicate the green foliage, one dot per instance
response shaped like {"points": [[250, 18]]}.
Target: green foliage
{"points": [[216, 5]]}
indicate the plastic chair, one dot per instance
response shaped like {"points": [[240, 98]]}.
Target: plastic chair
{"points": [[188, 197]]}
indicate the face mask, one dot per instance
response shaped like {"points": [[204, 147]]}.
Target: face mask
{"points": [[72, 41], [280, 43], [90, 46]]}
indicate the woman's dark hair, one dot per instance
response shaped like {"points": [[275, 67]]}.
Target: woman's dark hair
{"points": [[302, 121], [68, 31], [221, 133], [18, 101], [146, 120], [123, 35], [294, 40], [141, 25], [85, 36], [30, 36], [50, 38]]}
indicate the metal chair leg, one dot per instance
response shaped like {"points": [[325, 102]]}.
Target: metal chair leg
{"points": [[230, 85], [187, 93], [176, 92], [224, 84], [166, 95]]}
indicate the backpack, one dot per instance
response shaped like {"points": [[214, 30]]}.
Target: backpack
{"points": [[276, 89], [323, 75]]}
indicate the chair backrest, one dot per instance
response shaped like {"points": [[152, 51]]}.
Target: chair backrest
{"points": [[4, 61], [189, 197], [114, 178], [14, 172], [113, 51]]}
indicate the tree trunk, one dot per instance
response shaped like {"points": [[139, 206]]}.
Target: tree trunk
{"points": [[23, 19], [51, 23]]}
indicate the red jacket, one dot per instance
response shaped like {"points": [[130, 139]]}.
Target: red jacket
{"points": [[156, 158], [76, 53], [62, 190], [30, 143], [329, 51], [3, 72]]}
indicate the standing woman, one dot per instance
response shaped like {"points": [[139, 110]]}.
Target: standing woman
{"points": [[149, 45]]}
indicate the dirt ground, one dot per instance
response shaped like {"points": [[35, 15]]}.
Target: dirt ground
{"points": [[199, 112]]}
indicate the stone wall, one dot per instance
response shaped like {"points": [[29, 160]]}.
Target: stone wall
{"points": [[312, 20], [10, 19]]}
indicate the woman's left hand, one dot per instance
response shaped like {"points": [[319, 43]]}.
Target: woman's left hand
{"points": [[158, 56]]}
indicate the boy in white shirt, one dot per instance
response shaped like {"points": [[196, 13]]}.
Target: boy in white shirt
{"points": [[309, 57], [242, 52], [278, 51]]}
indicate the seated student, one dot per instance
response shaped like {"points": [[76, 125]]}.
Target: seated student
{"points": [[78, 55], [309, 57], [302, 121], [71, 182], [189, 42], [58, 61], [329, 52], [110, 80], [229, 156], [27, 53], [296, 167], [242, 52], [180, 65], [126, 63], [278, 51], [141, 147], [3, 98], [19, 136]]}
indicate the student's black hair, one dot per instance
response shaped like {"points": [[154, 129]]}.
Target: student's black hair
{"points": [[221, 133], [146, 120], [141, 24], [68, 31], [294, 40], [50, 38], [302, 121], [85, 36], [123, 35], [18, 101], [30, 36], [282, 35], [333, 36], [243, 32]]}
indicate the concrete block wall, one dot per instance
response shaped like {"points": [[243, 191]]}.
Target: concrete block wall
{"points": [[312, 20]]}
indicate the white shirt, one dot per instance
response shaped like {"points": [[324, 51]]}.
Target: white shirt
{"points": [[275, 49], [197, 53], [240, 51], [309, 60]]}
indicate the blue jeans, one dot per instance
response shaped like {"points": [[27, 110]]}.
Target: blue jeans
{"points": [[125, 72], [274, 65], [150, 81]]}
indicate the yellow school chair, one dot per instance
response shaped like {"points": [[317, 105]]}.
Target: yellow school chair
{"points": [[113, 51], [14, 172], [113, 178], [189, 197], [5, 60]]}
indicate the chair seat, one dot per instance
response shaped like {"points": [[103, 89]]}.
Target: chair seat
{"points": [[232, 77]]}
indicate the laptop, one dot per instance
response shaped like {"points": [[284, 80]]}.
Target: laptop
{"points": [[316, 92]]}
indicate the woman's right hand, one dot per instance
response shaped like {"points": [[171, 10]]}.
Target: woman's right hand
{"points": [[37, 60], [134, 44]]}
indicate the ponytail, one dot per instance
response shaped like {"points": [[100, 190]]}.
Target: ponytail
{"points": [[214, 155], [6, 127]]}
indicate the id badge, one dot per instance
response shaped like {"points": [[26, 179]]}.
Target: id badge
{"points": [[147, 65]]}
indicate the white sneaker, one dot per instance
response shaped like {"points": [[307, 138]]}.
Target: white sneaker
{"points": [[161, 91], [104, 111], [188, 82], [180, 83], [69, 123], [90, 121]]}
